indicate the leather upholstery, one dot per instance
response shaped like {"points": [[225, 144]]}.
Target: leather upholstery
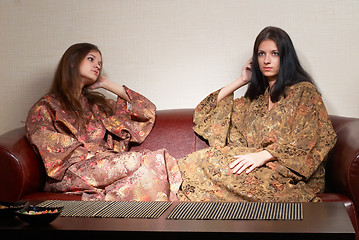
{"points": [[22, 174]]}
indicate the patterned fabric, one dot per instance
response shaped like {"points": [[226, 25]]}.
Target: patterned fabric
{"points": [[93, 159], [296, 131]]}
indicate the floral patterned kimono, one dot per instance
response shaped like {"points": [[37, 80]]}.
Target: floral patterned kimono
{"points": [[296, 131], [93, 160]]}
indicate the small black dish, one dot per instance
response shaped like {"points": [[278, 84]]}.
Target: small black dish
{"points": [[35, 215], [7, 209]]}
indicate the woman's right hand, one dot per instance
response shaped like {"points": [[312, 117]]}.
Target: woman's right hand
{"points": [[244, 79], [246, 73]]}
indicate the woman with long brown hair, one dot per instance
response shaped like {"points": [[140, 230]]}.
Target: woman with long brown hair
{"points": [[83, 137]]}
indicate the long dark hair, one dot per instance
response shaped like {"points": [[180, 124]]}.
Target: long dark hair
{"points": [[67, 82], [290, 71]]}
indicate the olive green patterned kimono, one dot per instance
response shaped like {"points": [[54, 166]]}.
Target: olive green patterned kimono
{"points": [[296, 131]]}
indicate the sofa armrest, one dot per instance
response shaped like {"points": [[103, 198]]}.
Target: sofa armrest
{"points": [[343, 161], [21, 171]]}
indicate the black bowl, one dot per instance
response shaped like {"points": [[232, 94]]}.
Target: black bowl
{"points": [[7, 209], [39, 215]]}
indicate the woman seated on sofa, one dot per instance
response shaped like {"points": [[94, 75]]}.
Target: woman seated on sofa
{"points": [[269, 145], [82, 137]]}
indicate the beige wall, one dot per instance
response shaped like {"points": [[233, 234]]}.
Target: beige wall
{"points": [[173, 51]]}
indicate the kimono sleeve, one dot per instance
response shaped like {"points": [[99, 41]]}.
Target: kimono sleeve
{"points": [[212, 120], [57, 149], [312, 135], [134, 121]]}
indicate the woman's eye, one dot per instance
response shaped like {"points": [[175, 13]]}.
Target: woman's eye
{"points": [[261, 54], [275, 53], [90, 59]]}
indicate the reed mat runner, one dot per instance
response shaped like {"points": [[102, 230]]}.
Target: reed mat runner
{"points": [[109, 209], [236, 211]]}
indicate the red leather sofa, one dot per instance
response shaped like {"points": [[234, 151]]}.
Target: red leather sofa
{"points": [[22, 174]]}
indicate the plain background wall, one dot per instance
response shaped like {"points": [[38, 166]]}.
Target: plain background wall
{"points": [[175, 52]]}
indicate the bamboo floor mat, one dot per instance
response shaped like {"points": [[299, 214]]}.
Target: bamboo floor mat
{"points": [[109, 209], [236, 211], [182, 211]]}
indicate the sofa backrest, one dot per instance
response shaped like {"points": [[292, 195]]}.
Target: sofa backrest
{"points": [[173, 131]]}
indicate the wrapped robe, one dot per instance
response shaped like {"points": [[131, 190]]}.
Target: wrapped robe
{"points": [[296, 131], [92, 159]]}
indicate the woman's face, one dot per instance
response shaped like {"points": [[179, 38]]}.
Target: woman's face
{"points": [[269, 60], [90, 67]]}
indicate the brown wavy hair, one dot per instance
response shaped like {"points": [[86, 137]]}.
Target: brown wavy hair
{"points": [[67, 82]]}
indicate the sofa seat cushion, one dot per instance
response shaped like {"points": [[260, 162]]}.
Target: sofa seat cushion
{"points": [[42, 196]]}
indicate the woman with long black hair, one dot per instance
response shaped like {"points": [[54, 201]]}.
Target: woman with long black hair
{"points": [[269, 145]]}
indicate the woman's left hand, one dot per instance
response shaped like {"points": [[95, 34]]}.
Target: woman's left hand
{"points": [[105, 83], [100, 83], [250, 161]]}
